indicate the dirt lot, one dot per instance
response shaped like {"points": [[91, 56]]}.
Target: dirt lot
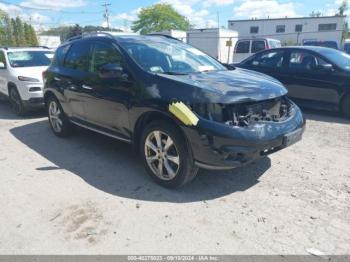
{"points": [[90, 195]]}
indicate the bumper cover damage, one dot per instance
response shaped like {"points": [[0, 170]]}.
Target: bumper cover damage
{"points": [[238, 135]]}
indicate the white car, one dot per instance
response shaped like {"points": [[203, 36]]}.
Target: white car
{"points": [[247, 47], [21, 76]]}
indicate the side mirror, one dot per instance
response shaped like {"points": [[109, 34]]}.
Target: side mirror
{"points": [[111, 71], [326, 67], [2, 65]]}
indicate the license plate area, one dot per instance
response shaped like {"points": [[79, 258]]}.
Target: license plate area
{"points": [[293, 137]]}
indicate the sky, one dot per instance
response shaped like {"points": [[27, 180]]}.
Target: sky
{"points": [[202, 13]]}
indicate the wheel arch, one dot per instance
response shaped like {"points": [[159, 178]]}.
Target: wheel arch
{"points": [[149, 117]]}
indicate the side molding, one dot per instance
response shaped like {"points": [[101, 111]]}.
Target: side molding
{"points": [[183, 113]]}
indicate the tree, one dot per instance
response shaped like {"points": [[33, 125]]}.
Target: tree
{"points": [[75, 31], [160, 17], [315, 14], [343, 8], [20, 38], [33, 40]]}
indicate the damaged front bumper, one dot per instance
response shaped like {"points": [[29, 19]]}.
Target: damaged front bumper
{"points": [[222, 146]]}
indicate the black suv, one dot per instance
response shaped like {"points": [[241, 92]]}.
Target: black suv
{"points": [[180, 108]]}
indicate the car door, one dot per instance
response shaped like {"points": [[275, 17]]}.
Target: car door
{"points": [[72, 76], [109, 89], [271, 62], [313, 78], [3, 74]]}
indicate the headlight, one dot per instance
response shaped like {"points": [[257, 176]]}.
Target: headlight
{"points": [[28, 79], [212, 112]]}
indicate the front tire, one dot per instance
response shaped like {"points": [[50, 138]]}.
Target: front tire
{"points": [[59, 122], [345, 106], [166, 155], [16, 102]]}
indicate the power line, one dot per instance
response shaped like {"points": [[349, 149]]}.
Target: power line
{"points": [[50, 9], [106, 14]]}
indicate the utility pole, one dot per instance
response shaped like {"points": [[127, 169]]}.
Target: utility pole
{"points": [[106, 14]]}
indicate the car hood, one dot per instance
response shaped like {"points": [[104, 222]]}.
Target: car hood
{"points": [[239, 85], [34, 72]]}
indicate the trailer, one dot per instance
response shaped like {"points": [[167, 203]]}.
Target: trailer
{"points": [[181, 35], [216, 42]]}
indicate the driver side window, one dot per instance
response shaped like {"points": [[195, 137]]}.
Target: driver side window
{"points": [[301, 60], [272, 59], [104, 54]]}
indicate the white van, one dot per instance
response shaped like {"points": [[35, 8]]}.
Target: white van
{"points": [[247, 47]]}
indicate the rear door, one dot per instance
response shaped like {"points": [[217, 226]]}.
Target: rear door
{"points": [[73, 75]]}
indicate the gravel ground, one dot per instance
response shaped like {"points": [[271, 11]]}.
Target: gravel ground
{"points": [[89, 194]]}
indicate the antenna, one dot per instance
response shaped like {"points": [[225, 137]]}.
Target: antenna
{"points": [[106, 14]]}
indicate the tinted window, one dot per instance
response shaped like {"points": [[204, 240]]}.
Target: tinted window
{"points": [[78, 56], [60, 54], [104, 54], [254, 29], [347, 48], [302, 60], [280, 29], [270, 59], [2, 58], [243, 47], [258, 45], [30, 58]]}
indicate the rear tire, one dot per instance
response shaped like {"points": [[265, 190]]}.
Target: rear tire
{"points": [[166, 155], [59, 122], [345, 106], [16, 102]]}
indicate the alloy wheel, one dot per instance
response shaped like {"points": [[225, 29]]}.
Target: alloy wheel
{"points": [[162, 155], [54, 116]]}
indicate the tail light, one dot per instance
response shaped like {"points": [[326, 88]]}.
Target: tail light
{"points": [[44, 75]]}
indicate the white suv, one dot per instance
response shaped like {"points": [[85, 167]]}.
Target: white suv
{"points": [[21, 76]]}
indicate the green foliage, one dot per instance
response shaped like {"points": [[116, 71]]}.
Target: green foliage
{"points": [[315, 14], [68, 31], [344, 6], [160, 17], [14, 32]]}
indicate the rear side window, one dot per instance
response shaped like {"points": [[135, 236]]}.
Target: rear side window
{"points": [[2, 58], [243, 47], [60, 54], [78, 56], [258, 45]]}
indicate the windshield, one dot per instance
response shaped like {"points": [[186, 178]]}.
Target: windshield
{"points": [[339, 58], [30, 58], [169, 56]]}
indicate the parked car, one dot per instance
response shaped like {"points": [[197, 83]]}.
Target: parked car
{"points": [[315, 77], [347, 47], [246, 47], [179, 107], [21, 76], [329, 44]]}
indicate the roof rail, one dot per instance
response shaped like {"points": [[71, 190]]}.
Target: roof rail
{"points": [[167, 36], [89, 34]]}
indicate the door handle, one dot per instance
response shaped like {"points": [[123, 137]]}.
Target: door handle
{"points": [[86, 87]]}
